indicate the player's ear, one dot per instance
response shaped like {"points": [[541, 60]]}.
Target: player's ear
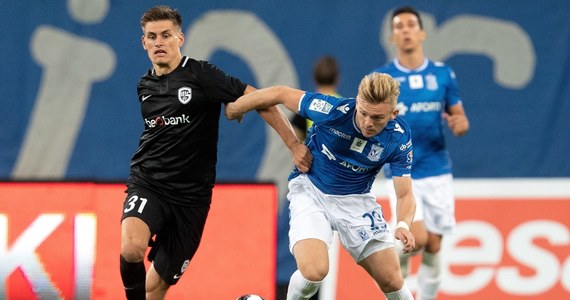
{"points": [[394, 113], [143, 42], [180, 39]]}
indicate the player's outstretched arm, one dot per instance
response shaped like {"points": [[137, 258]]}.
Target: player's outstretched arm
{"points": [[264, 101], [405, 210], [264, 98]]}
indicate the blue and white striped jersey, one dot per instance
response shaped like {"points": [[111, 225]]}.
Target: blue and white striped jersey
{"points": [[344, 161]]}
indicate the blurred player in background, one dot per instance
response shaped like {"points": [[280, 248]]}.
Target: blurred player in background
{"points": [[172, 173], [428, 99], [350, 140], [326, 76]]}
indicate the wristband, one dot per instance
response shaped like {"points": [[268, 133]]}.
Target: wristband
{"points": [[404, 225]]}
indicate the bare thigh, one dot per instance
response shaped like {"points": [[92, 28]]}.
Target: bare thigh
{"points": [[384, 267], [156, 288], [312, 258]]}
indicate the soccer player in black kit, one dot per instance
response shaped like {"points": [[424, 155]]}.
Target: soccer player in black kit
{"points": [[172, 172]]}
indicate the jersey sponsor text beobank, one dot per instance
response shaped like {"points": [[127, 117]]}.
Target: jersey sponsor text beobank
{"points": [[163, 121]]}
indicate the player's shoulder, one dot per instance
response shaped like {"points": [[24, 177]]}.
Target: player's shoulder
{"points": [[331, 99], [398, 127], [441, 67], [189, 64], [401, 121], [327, 104], [148, 83]]}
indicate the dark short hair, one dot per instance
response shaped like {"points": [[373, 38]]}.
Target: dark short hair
{"points": [[161, 13], [325, 71], [410, 10]]}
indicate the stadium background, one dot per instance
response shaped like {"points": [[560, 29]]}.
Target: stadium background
{"points": [[70, 111]]}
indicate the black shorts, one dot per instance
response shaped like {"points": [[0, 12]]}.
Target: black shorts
{"points": [[177, 230]]}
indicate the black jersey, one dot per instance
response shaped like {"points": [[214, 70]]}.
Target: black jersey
{"points": [[177, 151]]}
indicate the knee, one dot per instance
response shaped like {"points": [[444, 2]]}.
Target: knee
{"points": [[434, 243], [421, 239], [314, 272], [392, 283], [433, 248], [133, 251]]}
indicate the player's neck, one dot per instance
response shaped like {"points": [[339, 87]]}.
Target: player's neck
{"points": [[167, 68], [411, 60]]}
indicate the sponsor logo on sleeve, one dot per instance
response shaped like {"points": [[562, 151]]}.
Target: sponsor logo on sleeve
{"points": [[410, 157], [405, 146], [321, 106]]}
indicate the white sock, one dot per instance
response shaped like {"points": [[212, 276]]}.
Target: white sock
{"points": [[402, 294], [301, 288], [429, 276]]}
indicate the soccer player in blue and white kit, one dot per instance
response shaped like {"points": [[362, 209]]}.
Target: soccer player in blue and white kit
{"points": [[428, 98], [350, 140]]}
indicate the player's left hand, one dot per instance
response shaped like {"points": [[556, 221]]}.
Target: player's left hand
{"points": [[302, 157], [458, 123], [407, 238]]}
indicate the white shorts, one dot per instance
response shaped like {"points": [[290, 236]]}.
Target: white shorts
{"points": [[435, 202], [358, 219]]}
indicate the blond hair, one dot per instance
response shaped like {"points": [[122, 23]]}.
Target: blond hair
{"points": [[379, 88]]}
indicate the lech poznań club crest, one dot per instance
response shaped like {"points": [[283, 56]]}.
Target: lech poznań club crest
{"points": [[375, 152]]}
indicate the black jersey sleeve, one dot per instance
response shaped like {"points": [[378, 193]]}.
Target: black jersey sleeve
{"points": [[299, 122], [216, 84]]}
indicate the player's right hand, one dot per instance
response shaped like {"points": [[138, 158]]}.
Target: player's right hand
{"points": [[302, 157], [407, 239]]}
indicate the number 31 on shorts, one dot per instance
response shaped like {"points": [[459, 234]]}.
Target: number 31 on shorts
{"points": [[133, 202]]}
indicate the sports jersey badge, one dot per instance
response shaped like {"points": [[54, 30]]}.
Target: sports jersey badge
{"points": [[431, 82], [358, 145], [416, 82], [363, 234], [375, 152], [320, 106], [184, 94], [343, 108]]}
